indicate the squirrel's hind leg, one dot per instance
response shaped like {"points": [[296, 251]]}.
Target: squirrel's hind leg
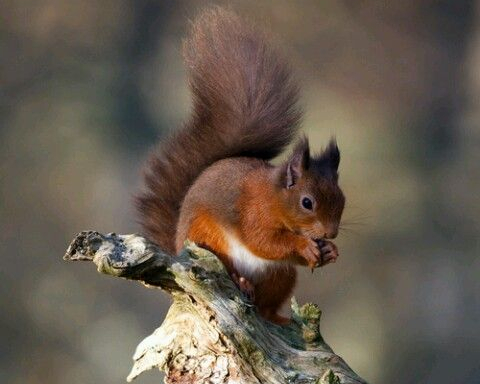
{"points": [[272, 292]]}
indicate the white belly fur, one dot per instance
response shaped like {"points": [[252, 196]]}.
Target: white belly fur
{"points": [[246, 263]]}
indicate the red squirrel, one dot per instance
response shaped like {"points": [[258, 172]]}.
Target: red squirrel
{"points": [[211, 182]]}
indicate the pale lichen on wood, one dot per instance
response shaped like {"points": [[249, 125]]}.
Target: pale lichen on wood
{"points": [[212, 333]]}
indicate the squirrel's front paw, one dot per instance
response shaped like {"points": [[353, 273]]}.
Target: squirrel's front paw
{"points": [[311, 253], [329, 252]]}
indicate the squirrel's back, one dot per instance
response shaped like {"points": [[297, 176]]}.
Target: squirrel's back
{"points": [[244, 104], [216, 192]]}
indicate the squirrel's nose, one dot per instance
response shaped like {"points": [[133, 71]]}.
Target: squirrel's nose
{"points": [[331, 233]]}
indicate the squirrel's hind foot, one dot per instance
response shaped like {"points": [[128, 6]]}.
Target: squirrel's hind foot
{"points": [[274, 317], [245, 286]]}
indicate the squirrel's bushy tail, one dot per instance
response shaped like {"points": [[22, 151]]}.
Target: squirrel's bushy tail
{"points": [[244, 104]]}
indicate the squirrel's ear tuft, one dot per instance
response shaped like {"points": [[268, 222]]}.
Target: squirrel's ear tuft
{"points": [[328, 161], [332, 154], [298, 162]]}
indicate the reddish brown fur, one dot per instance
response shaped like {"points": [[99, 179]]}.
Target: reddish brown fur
{"points": [[206, 232], [244, 113], [272, 292], [244, 104], [262, 218], [245, 196]]}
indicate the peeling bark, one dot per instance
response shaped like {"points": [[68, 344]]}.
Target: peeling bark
{"points": [[212, 333]]}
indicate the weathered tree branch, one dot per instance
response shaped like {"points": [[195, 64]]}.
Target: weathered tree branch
{"points": [[212, 334]]}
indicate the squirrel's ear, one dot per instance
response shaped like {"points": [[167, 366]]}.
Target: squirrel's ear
{"points": [[298, 162], [332, 154], [328, 161]]}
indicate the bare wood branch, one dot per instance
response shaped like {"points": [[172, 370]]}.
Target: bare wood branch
{"points": [[212, 334]]}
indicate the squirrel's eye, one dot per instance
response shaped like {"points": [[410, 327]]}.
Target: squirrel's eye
{"points": [[307, 203]]}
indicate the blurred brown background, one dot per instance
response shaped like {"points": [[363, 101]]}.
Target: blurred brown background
{"points": [[86, 87]]}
